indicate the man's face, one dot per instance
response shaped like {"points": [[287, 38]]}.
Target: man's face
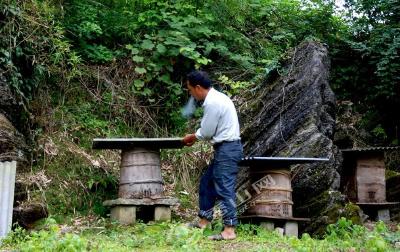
{"points": [[194, 91]]}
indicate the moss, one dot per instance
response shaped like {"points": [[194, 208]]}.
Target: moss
{"points": [[390, 174], [353, 213], [328, 208]]}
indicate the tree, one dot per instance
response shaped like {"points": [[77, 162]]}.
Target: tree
{"points": [[372, 77]]}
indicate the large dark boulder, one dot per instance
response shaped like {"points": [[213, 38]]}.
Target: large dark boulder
{"points": [[26, 215], [12, 143], [393, 195], [295, 112], [294, 116], [347, 134]]}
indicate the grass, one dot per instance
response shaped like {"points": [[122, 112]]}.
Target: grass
{"points": [[100, 234]]}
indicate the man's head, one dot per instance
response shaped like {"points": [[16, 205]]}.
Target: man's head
{"points": [[198, 84]]}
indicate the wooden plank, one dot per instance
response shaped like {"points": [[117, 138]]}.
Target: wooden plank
{"points": [[131, 143]]}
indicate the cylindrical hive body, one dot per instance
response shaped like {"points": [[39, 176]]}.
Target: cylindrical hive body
{"points": [[274, 194], [140, 175]]}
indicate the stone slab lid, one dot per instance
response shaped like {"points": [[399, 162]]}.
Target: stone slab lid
{"points": [[280, 162], [370, 149], [377, 204], [267, 217], [166, 201], [130, 143]]}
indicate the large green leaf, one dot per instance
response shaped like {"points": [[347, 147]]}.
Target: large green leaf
{"points": [[147, 44], [140, 70], [161, 48], [137, 59], [138, 84]]}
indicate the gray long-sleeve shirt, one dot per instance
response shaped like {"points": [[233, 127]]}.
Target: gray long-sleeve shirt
{"points": [[220, 121]]}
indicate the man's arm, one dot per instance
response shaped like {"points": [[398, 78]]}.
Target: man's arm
{"points": [[209, 122]]}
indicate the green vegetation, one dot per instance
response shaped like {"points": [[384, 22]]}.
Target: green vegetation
{"points": [[366, 66], [101, 235], [127, 59], [86, 69]]}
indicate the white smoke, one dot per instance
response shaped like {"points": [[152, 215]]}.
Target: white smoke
{"points": [[189, 109]]}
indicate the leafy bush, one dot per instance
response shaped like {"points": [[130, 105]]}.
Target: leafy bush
{"points": [[48, 239], [38, 47], [355, 236], [164, 40], [367, 65]]}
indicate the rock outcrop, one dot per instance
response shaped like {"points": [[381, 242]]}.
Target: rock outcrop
{"points": [[294, 116], [12, 143], [27, 215], [347, 134], [393, 195]]}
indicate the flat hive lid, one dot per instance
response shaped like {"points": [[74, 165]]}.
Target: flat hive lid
{"points": [[130, 143], [278, 161], [377, 203], [366, 149], [258, 216]]}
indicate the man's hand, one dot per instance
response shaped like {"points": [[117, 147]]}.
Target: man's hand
{"points": [[189, 139]]}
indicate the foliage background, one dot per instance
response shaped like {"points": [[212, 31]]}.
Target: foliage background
{"points": [[86, 69], [126, 59]]}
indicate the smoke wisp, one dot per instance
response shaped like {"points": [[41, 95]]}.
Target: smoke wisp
{"points": [[189, 109]]}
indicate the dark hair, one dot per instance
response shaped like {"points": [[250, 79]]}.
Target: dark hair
{"points": [[199, 78]]}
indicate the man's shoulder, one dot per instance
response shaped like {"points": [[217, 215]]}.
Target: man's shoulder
{"points": [[220, 96]]}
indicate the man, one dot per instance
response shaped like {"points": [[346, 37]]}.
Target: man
{"points": [[220, 126]]}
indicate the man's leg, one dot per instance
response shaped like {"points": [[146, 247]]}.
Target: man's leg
{"points": [[225, 173], [207, 196], [225, 188]]}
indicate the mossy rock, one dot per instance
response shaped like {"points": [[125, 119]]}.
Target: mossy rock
{"points": [[393, 195], [331, 215], [327, 209]]}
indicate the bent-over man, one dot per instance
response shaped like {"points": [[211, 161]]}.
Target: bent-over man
{"points": [[220, 126]]}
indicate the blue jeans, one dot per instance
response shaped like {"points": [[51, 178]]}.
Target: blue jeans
{"points": [[219, 181]]}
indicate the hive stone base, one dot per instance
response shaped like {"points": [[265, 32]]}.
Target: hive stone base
{"points": [[383, 215], [287, 226], [162, 213], [124, 214], [291, 228], [268, 225], [125, 210]]}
